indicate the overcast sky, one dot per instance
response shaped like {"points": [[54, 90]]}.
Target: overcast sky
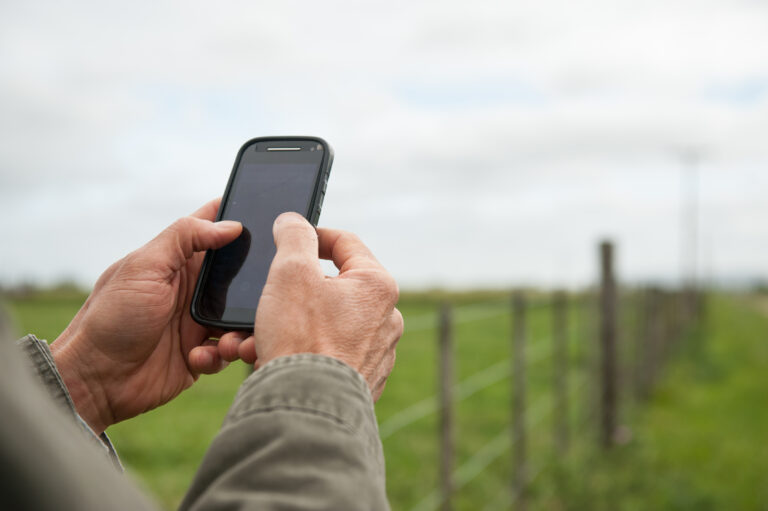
{"points": [[477, 143]]}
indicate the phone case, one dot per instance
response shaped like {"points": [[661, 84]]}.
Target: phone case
{"points": [[315, 208]]}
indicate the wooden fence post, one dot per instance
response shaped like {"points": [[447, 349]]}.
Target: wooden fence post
{"points": [[520, 470], [656, 339], [666, 314], [648, 343], [640, 332], [446, 405], [560, 365], [608, 313], [676, 305], [588, 356]]}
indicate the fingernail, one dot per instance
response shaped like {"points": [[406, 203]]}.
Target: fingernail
{"points": [[227, 225], [289, 217]]}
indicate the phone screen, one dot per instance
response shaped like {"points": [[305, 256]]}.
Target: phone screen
{"points": [[266, 184]]}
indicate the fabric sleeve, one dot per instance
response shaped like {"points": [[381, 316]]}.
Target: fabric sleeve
{"points": [[301, 434], [48, 463], [38, 355]]}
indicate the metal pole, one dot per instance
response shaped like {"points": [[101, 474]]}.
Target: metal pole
{"points": [[560, 364], [608, 312], [446, 405], [689, 229], [520, 475]]}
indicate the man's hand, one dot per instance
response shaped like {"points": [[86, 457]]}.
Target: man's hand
{"points": [[351, 317], [134, 346]]}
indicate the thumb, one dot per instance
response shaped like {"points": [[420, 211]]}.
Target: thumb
{"points": [[296, 241], [187, 235]]}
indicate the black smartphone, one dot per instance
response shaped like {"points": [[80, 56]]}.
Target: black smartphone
{"points": [[271, 175]]}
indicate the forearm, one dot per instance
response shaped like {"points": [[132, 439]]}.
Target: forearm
{"points": [[301, 434]]}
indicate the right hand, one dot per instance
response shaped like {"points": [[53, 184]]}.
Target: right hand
{"points": [[351, 317]]}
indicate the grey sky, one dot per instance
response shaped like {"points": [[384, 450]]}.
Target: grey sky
{"points": [[477, 143]]}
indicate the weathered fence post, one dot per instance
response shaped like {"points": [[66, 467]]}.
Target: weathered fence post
{"points": [[649, 342], [560, 365], [664, 298], [641, 370], [608, 313], [676, 306], [640, 333], [520, 470], [656, 338], [588, 353], [446, 405]]}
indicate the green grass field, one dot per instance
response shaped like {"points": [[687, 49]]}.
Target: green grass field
{"points": [[699, 443]]}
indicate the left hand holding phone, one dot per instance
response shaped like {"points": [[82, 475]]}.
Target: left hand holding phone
{"points": [[133, 345]]}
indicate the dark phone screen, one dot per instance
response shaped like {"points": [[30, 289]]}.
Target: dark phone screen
{"points": [[266, 184]]}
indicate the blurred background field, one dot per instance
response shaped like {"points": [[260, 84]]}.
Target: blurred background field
{"points": [[479, 145], [698, 443]]}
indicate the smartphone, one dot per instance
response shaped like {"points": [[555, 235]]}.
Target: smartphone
{"points": [[271, 175]]}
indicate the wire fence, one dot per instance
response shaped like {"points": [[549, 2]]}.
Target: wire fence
{"points": [[652, 318]]}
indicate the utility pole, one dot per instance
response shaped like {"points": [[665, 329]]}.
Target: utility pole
{"points": [[689, 228]]}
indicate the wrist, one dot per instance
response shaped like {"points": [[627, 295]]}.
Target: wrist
{"points": [[82, 383]]}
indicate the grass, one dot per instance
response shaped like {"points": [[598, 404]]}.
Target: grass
{"points": [[699, 443]]}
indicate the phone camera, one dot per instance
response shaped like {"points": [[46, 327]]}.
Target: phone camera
{"points": [[319, 147]]}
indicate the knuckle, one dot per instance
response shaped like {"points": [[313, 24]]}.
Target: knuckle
{"points": [[180, 225], [398, 321], [349, 237], [293, 266], [293, 226], [132, 263], [177, 230], [388, 287], [382, 279], [290, 232], [395, 291]]}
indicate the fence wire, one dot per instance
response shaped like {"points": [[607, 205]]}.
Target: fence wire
{"points": [[462, 390], [486, 455]]}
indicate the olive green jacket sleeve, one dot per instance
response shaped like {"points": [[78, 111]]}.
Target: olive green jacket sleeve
{"points": [[301, 434], [50, 459], [39, 359]]}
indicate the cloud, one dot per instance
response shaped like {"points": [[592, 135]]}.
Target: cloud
{"points": [[485, 144]]}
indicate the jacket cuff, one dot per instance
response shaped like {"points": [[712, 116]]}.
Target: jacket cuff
{"points": [[314, 384], [40, 359]]}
